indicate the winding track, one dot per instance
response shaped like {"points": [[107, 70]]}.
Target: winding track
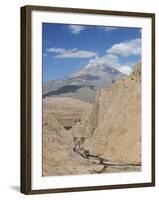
{"points": [[101, 161]]}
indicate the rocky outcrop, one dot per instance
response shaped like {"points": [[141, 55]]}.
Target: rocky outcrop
{"points": [[117, 121]]}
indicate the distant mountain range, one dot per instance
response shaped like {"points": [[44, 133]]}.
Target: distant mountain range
{"points": [[83, 84]]}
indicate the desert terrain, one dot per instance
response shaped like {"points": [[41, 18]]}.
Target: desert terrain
{"points": [[100, 136]]}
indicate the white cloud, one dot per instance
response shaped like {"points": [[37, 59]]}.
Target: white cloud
{"points": [[125, 70], [56, 50], [71, 53], [108, 59], [112, 57], [76, 29], [132, 47], [108, 28], [112, 61]]}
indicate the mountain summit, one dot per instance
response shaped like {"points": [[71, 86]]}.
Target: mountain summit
{"points": [[83, 84]]}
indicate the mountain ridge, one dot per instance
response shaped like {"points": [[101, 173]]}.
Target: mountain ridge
{"points": [[91, 79]]}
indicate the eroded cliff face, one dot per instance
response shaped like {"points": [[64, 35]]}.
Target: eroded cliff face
{"points": [[82, 138], [117, 121]]}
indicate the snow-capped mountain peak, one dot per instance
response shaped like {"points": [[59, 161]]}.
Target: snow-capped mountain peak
{"points": [[83, 84]]}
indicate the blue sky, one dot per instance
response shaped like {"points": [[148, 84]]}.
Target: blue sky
{"points": [[69, 48]]}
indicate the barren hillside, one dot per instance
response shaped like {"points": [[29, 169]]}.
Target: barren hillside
{"points": [[117, 121]]}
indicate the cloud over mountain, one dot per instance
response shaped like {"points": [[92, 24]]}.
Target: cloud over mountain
{"points": [[125, 70], [112, 61], [108, 59], [112, 56], [132, 47]]}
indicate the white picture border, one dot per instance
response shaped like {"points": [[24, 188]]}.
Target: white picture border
{"points": [[52, 182]]}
